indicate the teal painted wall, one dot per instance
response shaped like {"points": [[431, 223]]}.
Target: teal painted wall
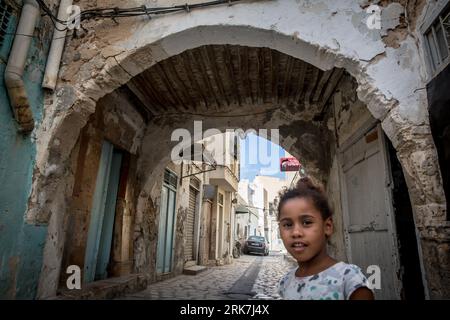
{"points": [[21, 244]]}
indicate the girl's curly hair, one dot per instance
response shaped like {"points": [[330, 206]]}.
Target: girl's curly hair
{"points": [[305, 188]]}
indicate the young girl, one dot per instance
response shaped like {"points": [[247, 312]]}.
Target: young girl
{"points": [[305, 221]]}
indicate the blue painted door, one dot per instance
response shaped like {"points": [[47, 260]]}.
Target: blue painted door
{"points": [[102, 214], [162, 230], [108, 217], [165, 248]]}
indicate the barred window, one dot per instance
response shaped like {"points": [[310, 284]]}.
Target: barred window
{"points": [[437, 38], [170, 178], [5, 16]]}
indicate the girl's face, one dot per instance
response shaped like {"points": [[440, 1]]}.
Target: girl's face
{"points": [[303, 230]]}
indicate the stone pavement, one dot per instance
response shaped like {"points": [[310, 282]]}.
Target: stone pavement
{"points": [[272, 269], [249, 277]]}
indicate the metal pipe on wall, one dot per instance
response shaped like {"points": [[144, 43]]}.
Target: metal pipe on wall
{"points": [[16, 65], [57, 47]]}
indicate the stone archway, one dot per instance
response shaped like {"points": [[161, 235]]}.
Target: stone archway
{"points": [[324, 38]]}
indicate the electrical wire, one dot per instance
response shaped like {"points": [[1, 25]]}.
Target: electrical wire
{"points": [[54, 19], [264, 209], [116, 12]]}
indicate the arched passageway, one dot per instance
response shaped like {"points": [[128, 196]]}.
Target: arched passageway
{"points": [[323, 93]]}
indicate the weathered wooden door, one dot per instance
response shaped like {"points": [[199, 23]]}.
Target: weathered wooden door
{"points": [[368, 212], [101, 223], [166, 228]]}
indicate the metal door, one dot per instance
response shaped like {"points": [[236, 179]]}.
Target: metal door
{"points": [[189, 253]]}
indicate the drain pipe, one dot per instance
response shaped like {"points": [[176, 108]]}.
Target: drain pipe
{"points": [[56, 48], [16, 64]]}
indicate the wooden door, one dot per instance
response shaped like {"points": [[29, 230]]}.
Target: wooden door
{"points": [[368, 212]]}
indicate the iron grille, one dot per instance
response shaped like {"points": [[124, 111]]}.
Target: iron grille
{"points": [[170, 178], [5, 17]]}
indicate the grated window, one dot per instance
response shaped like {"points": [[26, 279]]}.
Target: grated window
{"points": [[170, 178], [5, 17], [437, 39]]}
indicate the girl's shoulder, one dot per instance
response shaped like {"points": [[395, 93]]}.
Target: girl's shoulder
{"points": [[288, 276], [286, 281], [352, 278], [348, 268], [338, 270]]}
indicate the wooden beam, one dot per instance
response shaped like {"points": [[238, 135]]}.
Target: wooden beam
{"points": [[178, 83], [205, 85], [150, 82], [261, 80], [145, 97], [275, 67], [331, 86], [163, 74], [187, 67], [144, 110], [210, 54], [323, 80], [311, 85], [301, 81], [245, 72], [287, 78], [230, 67], [201, 59]]}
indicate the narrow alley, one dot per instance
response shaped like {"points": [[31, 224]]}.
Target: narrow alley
{"points": [[248, 277]]}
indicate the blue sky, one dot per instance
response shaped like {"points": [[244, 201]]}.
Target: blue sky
{"points": [[253, 160]]}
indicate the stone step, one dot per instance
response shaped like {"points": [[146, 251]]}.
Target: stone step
{"points": [[193, 270], [105, 289], [191, 263]]}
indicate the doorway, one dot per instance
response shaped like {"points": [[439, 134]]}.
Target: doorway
{"points": [[164, 259], [410, 270], [191, 221], [99, 241]]}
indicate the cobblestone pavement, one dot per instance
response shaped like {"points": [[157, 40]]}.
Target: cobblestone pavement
{"points": [[228, 282], [272, 269]]}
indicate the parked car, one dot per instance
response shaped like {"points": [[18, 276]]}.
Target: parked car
{"points": [[256, 244]]}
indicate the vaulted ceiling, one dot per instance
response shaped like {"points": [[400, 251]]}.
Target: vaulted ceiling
{"points": [[217, 78]]}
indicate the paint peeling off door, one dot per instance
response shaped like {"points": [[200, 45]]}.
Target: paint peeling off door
{"points": [[167, 215], [108, 220], [369, 228], [102, 214]]}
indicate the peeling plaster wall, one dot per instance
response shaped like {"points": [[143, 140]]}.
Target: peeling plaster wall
{"points": [[347, 112], [21, 244]]}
